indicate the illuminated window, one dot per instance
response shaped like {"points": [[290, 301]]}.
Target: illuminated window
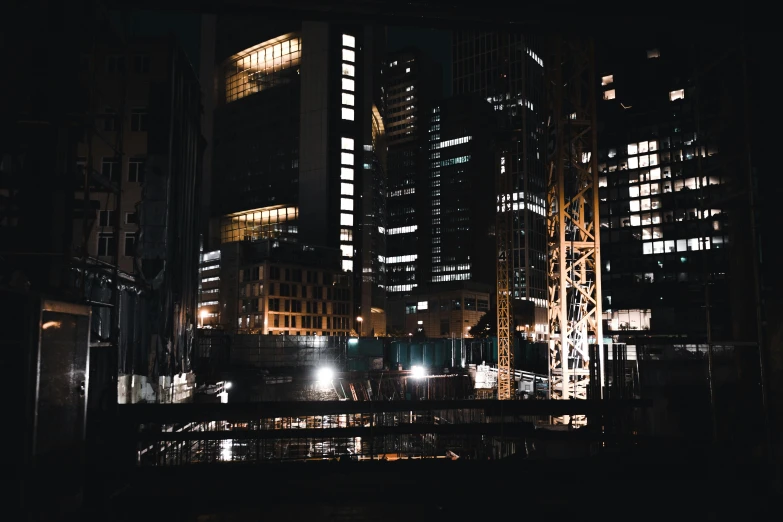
{"points": [[349, 41], [633, 163], [348, 99], [653, 53], [632, 149], [609, 95], [407, 69], [347, 84], [634, 205], [346, 189], [346, 234], [642, 147], [346, 158], [261, 67], [348, 70], [347, 114], [346, 220], [346, 143], [677, 95], [346, 204], [348, 55], [347, 265], [347, 250], [346, 174], [606, 80]]}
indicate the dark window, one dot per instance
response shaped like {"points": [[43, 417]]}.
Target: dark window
{"points": [[136, 170], [130, 243], [131, 218], [106, 218], [141, 63], [483, 305], [139, 120], [105, 245], [110, 168], [444, 327], [109, 119], [115, 63]]}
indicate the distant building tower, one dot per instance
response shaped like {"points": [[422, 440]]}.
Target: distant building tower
{"points": [[294, 127], [412, 81], [506, 70]]}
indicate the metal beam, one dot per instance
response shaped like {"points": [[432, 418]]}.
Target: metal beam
{"points": [[573, 229], [503, 231]]}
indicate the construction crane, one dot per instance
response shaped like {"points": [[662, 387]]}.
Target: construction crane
{"points": [[503, 236], [573, 230]]}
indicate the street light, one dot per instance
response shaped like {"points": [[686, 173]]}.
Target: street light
{"points": [[417, 372], [361, 324], [324, 375]]}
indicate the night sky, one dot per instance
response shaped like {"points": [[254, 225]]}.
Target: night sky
{"points": [[433, 41]]}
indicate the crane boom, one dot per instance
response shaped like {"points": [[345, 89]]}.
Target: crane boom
{"points": [[573, 228]]}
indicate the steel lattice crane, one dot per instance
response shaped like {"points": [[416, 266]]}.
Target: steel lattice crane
{"points": [[573, 229], [504, 238]]}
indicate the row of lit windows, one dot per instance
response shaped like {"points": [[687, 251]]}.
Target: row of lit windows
{"points": [[399, 259], [348, 72], [451, 277], [678, 94], [259, 67], [681, 245], [400, 288], [401, 230], [449, 143], [347, 161]]}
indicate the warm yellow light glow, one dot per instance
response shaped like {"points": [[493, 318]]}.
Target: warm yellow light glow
{"points": [[51, 324], [258, 67]]}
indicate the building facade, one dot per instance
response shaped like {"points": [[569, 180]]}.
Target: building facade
{"points": [[665, 225], [457, 228], [507, 70], [276, 288], [295, 125], [412, 82], [447, 309]]}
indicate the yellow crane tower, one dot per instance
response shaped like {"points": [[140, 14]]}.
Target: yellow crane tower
{"points": [[573, 230]]}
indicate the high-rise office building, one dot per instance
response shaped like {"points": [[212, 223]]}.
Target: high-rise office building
{"points": [[665, 234], [411, 82], [295, 122], [507, 70], [457, 228]]}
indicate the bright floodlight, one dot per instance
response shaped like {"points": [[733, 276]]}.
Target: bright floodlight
{"points": [[227, 386], [417, 372], [324, 374]]}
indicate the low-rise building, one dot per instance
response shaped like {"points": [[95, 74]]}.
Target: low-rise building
{"points": [[445, 310]]}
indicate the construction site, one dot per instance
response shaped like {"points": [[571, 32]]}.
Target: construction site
{"points": [[171, 421]]}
